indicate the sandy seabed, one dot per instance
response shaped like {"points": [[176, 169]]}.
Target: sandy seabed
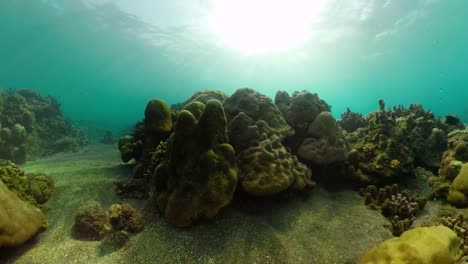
{"points": [[328, 227]]}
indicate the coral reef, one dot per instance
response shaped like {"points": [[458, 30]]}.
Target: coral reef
{"points": [[91, 221], [123, 217], [395, 141], [436, 244], [397, 206], [35, 189], [198, 175], [351, 121], [460, 227], [146, 136], [32, 125], [19, 221], [108, 138]]}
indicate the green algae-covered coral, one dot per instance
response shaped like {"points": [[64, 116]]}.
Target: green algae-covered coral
{"points": [[257, 130], [425, 245], [317, 140], [198, 175], [395, 141], [35, 189], [124, 217], [157, 117], [146, 136], [455, 155], [91, 221], [19, 221], [300, 109], [258, 107], [268, 169], [458, 194]]}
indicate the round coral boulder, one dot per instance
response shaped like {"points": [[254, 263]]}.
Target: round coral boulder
{"points": [[91, 221], [124, 217]]}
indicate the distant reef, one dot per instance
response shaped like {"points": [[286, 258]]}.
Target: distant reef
{"points": [[33, 126], [194, 158]]}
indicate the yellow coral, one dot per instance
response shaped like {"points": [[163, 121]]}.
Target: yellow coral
{"points": [[394, 164], [424, 245], [368, 147]]}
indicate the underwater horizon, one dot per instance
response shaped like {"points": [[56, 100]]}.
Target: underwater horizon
{"points": [[99, 58], [233, 131]]}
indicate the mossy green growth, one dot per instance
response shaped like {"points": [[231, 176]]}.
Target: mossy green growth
{"points": [[199, 175], [196, 108], [323, 126], [204, 96], [35, 189], [424, 245], [158, 117]]}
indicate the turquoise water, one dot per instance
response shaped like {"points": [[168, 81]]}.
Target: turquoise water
{"points": [[103, 59]]}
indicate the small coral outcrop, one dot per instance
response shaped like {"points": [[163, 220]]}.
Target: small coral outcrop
{"points": [[458, 194], [91, 221], [123, 217]]}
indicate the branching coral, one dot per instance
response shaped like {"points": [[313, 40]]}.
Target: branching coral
{"points": [[460, 227], [399, 207]]}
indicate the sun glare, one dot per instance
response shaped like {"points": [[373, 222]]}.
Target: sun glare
{"points": [[261, 26]]}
